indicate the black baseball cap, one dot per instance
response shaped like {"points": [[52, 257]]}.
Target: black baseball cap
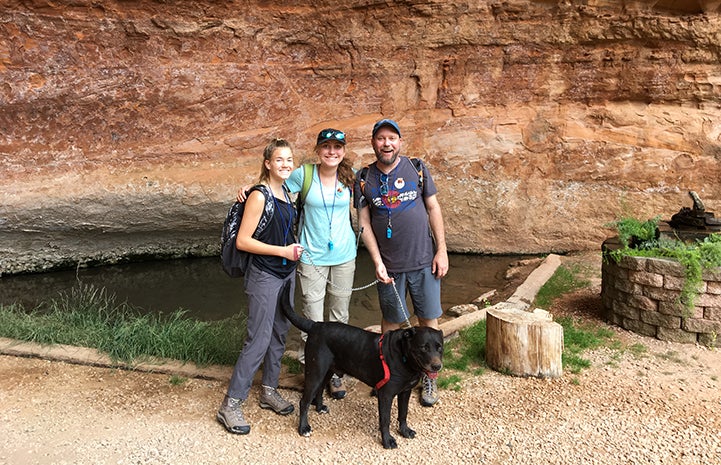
{"points": [[330, 134]]}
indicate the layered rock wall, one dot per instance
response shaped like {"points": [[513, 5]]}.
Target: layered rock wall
{"points": [[127, 126]]}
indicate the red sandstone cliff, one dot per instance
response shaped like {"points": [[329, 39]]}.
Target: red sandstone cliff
{"points": [[126, 126]]}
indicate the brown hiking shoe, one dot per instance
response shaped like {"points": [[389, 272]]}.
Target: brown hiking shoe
{"points": [[270, 398], [336, 387], [231, 416]]}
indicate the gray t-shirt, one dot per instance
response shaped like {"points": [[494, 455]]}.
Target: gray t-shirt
{"points": [[398, 214]]}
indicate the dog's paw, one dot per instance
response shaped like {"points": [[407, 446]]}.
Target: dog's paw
{"points": [[406, 432], [304, 431], [390, 443], [322, 409]]}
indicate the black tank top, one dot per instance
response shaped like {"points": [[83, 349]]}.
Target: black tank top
{"points": [[278, 232]]}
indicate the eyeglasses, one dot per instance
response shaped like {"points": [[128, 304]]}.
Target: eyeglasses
{"points": [[337, 135], [384, 184]]}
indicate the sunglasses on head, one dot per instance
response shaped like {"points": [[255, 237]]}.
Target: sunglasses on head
{"points": [[337, 135]]}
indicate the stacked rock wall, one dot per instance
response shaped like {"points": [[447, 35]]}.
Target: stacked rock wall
{"points": [[642, 295]]}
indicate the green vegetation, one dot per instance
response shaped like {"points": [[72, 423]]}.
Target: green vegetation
{"points": [[176, 380], [641, 239], [579, 337], [293, 364], [87, 316], [633, 231], [467, 352], [563, 281], [452, 382]]}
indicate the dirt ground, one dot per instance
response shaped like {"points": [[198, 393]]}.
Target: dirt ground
{"points": [[659, 403]]}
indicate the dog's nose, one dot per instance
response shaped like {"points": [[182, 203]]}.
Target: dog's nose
{"points": [[436, 366]]}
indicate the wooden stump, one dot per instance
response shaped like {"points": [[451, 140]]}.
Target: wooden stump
{"points": [[523, 343]]}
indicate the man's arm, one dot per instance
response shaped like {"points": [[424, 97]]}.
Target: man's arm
{"points": [[369, 240], [435, 217]]}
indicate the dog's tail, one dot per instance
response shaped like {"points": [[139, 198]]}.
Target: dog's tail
{"points": [[304, 324]]}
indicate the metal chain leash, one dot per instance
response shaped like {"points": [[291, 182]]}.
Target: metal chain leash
{"points": [[352, 289]]}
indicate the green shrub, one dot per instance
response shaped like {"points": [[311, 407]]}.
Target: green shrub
{"points": [[695, 257], [633, 232]]}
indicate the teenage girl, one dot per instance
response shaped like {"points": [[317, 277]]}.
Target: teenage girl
{"points": [[275, 253]]}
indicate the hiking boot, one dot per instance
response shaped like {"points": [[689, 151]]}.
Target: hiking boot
{"points": [[270, 398], [337, 390], [429, 391], [231, 416]]}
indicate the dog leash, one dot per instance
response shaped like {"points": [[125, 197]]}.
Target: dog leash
{"points": [[352, 289], [405, 324]]}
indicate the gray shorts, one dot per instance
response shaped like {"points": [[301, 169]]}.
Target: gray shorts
{"points": [[424, 289]]}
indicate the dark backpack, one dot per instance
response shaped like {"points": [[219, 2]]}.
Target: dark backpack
{"points": [[235, 262]]}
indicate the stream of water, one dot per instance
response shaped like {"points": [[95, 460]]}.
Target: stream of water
{"points": [[201, 287]]}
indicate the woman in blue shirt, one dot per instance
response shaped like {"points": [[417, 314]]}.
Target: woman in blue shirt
{"points": [[327, 236]]}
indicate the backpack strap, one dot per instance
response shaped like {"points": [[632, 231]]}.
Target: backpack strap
{"points": [[300, 200], [362, 175], [268, 210], [307, 181], [418, 165]]}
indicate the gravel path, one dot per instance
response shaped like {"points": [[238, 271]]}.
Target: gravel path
{"points": [[661, 407]]}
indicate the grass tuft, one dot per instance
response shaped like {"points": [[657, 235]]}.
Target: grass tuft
{"points": [[88, 316], [563, 281]]}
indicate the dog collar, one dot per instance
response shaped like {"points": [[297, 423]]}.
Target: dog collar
{"points": [[386, 370]]}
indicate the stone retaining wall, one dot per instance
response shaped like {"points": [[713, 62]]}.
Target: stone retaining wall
{"points": [[642, 294]]}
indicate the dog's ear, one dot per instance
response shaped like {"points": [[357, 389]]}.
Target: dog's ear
{"points": [[409, 333]]}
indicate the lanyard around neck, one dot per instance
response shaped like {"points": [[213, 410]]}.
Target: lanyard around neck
{"points": [[332, 208], [286, 226]]}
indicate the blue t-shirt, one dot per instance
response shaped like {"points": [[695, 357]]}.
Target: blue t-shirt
{"points": [[326, 219], [398, 210]]}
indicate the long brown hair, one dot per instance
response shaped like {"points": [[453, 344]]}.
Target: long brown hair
{"points": [[274, 144], [345, 173]]}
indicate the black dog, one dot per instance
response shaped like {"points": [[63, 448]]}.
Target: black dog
{"points": [[392, 363]]}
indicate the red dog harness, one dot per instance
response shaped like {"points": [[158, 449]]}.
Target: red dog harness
{"points": [[386, 370]]}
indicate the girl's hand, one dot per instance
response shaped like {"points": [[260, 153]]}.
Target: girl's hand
{"points": [[293, 252], [241, 193]]}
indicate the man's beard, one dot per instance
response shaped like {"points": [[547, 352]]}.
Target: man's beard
{"points": [[380, 155]]}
